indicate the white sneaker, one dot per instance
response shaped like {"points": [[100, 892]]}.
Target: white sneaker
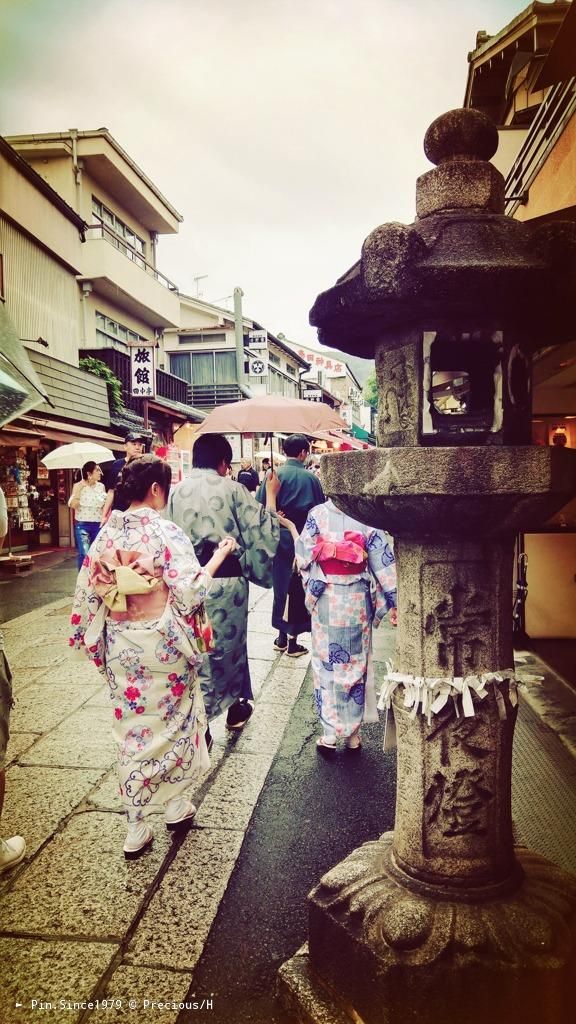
{"points": [[178, 812], [138, 840], [12, 851]]}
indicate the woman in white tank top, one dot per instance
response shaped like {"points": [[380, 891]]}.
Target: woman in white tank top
{"points": [[87, 500]]}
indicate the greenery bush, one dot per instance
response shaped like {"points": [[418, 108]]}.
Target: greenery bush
{"points": [[99, 369]]}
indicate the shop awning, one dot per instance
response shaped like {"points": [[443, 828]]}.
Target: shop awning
{"points": [[59, 430], [338, 437]]}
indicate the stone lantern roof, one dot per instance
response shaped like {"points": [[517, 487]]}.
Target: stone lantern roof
{"points": [[462, 256]]}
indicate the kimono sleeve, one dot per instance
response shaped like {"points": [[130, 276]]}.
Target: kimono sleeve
{"points": [[258, 537], [306, 542], [187, 581], [86, 606], [383, 570]]}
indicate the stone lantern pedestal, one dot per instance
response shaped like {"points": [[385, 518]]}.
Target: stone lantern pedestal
{"points": [[445, 919]]}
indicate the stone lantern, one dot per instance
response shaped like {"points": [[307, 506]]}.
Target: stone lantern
{"points": [[445, 919]]}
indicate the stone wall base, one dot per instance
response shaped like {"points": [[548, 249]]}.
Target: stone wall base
{"points": [[382, 952]]}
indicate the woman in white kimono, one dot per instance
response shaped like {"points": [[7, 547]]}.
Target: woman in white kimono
{"points": [[137, 614], [350, 583]]}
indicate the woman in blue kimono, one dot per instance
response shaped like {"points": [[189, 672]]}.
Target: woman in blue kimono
{"points": [[350, 584]]}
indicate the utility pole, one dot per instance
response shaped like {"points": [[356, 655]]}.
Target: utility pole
{"points": [[239, 335]]}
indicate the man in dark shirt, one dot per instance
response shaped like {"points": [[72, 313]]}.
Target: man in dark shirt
{"points": [[299, 492], [248, 475], [135, 446]]}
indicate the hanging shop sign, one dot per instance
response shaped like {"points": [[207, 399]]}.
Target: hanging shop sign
{"points": [[142, 371], [313, 395], [320, 362], [258, 367], [257, 339]]}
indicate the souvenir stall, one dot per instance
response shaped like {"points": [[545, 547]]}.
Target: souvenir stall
{"points": [[31, 499]]}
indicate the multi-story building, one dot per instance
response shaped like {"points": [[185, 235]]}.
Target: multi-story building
{"points": [[125, 299], [524, 78], [225, 356], [79, 223], [336, 379]]}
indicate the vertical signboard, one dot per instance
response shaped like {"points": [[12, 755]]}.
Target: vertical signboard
{"points": [[142, 371]]}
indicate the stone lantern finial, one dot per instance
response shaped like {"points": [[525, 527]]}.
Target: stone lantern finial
{"points": [[460, 143]]}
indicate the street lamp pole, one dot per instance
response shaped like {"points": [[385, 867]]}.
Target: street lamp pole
{"points": [[239, 335]]}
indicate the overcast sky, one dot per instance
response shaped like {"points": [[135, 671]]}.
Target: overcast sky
{"points": [[282, 130]]}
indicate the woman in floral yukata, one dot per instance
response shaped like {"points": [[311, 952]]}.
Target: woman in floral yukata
{"points": [[138, 615], [350, 584]]}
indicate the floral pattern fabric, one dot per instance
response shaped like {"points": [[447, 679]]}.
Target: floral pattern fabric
{"points": [[150, 663], [343, 609]]}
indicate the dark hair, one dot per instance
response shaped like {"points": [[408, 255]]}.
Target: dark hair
{"points": [[266, 460], [138, 476], [210, 450], [88, 468], [294, 444]]}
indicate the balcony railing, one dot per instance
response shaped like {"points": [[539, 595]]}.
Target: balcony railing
{"points": [[545, 130], [167, 385], [101, 231], [208, 396]]}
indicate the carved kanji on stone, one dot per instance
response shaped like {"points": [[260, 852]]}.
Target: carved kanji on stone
{"points": [[457, 618], [459, 804]]}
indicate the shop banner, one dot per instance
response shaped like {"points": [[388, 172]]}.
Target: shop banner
{"points": [[142, 371]]}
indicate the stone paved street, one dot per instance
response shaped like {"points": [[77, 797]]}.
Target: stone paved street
{"points": [[77, 922]]}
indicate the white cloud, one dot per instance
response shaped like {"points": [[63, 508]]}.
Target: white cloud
{"points": [[283, 130]]}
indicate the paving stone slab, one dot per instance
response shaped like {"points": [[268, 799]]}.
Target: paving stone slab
{"points": [[72, 670], [84, 740], [18, 743], [175, 926], [232, 798], [259, 622], [283, 685], [80, 883], [295, 664], [38, 799], [265, 729], [100, 699], [106, 796], [261, 647], [141, 984], [32, 656], [49, 971], [21, 678], [259, 671], [40, 709]]}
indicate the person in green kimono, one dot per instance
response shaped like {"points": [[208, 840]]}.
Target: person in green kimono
{"points": [[209, 505]]}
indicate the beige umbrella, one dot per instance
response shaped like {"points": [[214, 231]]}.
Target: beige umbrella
{"points": [[269, 414]]}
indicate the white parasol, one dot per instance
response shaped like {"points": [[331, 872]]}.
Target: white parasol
{"points": [[75, 455]]}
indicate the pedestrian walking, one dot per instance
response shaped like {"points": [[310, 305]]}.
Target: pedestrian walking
{"points": [[135, 445], [350, 584], [248, 475], [299, 492], [265, 467], [13, 850], [87, 499], [137, 614], [207, 505]]}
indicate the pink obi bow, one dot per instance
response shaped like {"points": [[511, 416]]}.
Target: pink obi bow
{"points": [[351, 551], [119, 574]]}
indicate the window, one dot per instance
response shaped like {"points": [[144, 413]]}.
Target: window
{"points": [[291, 369], [212, 339], [107, 329], [135, 247], [205, 367], [273, 359]]}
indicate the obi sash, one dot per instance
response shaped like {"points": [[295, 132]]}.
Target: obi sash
{"points": [[346, 557], [129, 585]]}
